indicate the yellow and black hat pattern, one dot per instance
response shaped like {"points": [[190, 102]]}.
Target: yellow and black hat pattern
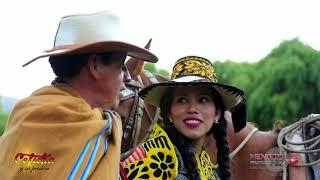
{"points": [[195, 71], [194, 65]]}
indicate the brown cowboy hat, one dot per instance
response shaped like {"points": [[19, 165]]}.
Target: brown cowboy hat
{"points": [[92, 33]]}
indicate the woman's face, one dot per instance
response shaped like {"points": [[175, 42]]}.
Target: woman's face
{"points": [[193, 111]]}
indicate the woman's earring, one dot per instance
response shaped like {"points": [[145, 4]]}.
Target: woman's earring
{"points": [[216, 120], [170, 120]]}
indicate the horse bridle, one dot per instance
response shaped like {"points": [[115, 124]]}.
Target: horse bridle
{"points": [[136, 113], [133, 122]]}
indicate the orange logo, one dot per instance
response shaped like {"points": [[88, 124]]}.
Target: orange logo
{"points": [[33, 159]]}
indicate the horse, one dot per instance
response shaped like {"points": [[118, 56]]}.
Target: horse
{"points": [[139, 117], [258, 142]]}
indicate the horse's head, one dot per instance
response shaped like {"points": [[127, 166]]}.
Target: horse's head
{"points": [[137, 117]]}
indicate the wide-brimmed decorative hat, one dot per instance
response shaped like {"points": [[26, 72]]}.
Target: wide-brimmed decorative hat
{"points": [[93, 33], [194, 70]]}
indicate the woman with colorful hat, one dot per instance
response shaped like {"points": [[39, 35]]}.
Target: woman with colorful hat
{"points": [[192, 107]]}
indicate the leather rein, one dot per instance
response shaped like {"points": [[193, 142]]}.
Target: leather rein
{"points": [[134, 119]]}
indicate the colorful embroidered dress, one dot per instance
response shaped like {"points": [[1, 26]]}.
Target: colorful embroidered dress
{"points": [[156, 158]]}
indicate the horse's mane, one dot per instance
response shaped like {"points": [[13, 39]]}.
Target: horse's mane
{"points": [[277, 126]]}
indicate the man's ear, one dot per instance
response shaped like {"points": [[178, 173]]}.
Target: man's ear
{"points": [[93, 66]]}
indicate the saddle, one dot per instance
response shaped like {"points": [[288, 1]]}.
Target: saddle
{"points": [[313, 172], [303, 138]]}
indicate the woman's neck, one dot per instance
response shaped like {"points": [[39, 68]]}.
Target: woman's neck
{"points": [[198, 144]]}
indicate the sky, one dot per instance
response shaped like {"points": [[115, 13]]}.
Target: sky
{"points": [[238, 30]]}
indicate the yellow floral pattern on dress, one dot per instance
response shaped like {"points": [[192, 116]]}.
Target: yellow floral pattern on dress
{"points": [[193, 65], [206, 168], [161, 161]]}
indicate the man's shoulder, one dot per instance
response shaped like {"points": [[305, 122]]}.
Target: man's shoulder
{"points": [[51, 96], [51, 104], [59, 90]]}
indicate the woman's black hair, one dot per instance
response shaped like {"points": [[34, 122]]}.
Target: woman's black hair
{"points": [[186, 149]]}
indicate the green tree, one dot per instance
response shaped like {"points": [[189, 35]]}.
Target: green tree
{"points": [[287, 85], [283, 85], [164, 73], [151, 67], [238, 74], [3, 117]]}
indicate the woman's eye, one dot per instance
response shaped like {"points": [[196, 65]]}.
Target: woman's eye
{"points": [[181, 100], [204, 99]]}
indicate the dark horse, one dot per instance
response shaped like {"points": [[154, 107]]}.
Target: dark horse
{"points": [[138, 118]]}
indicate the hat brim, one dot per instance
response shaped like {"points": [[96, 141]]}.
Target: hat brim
{"points": [[99, 47], [231, 96]]}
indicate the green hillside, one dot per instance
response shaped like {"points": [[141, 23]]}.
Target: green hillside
{"points": [[282, 86]]}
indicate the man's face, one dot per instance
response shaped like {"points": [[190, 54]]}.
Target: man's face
{"points": [[112, 76]]}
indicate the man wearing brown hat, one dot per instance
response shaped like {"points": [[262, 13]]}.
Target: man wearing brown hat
{"points": [[68, 129]]}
